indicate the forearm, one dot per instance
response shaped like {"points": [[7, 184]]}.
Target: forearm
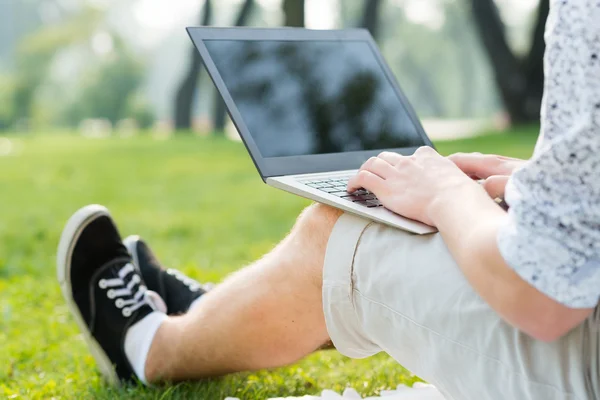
{"points": [[469, 224]]}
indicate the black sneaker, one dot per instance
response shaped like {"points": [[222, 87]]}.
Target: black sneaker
{"points": [[102, 287], [176, 289]]}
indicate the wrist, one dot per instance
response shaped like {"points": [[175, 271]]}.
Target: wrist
{"points": [[464, 195]]}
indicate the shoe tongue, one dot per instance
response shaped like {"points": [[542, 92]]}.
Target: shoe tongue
{"points": [[155, 301]]}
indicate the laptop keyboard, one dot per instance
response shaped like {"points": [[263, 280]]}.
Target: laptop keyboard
{"points": [[336, 186]]}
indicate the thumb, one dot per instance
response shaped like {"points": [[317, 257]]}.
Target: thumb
{"points": [[496, 185]]}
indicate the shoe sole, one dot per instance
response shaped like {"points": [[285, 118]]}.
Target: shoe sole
{"points": [[76, 224]]}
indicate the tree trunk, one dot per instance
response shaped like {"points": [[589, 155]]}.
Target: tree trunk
{"points": [[184, 99], [294, 13], [220, 115], [534, 63], [370, 18], [520, 81]]}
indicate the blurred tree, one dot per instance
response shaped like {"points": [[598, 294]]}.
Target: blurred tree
{"points": [[17, 19], [110, 91], [520, 80], [7, 87], [184, 100], [370, 17], [219, 117], [462, 38], [294, 12], [36, 52], [140, 111], [413, 62]]}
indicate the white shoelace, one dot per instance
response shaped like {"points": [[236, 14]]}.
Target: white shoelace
{"points": [[123, 295], [189, 282]]}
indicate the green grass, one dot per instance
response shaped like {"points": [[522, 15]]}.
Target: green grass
{"points": [[201, 204]]}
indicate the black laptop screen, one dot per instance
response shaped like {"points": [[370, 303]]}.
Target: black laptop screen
{"points": [[313, 97]]}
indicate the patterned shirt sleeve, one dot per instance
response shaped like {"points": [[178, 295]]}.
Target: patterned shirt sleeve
{"points": [[552, 239]]}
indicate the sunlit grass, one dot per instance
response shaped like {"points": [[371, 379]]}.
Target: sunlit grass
{"points": [[201, 204]]}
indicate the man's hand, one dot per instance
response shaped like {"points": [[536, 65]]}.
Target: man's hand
{"points": [[410, 185], [482, 166], [494, 170]]}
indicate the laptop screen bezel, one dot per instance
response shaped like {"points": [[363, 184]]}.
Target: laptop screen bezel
{"points": [[303, 164]]}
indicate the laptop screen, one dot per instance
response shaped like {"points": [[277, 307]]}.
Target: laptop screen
{"points": [[313, 97]]}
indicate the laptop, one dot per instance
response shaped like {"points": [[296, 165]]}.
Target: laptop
{"points": [[312, 106]]}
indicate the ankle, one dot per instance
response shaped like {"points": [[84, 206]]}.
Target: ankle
{"points": [[160, 359]]}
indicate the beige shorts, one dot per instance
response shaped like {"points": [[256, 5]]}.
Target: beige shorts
{"points": [[388, 290]]}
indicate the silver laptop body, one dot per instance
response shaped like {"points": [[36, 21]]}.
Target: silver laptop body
{"points": [[311, 107]]}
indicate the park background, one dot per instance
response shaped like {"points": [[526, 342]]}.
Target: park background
{"points": [[105, 101]]}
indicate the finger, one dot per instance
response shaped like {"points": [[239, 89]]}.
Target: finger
{"points": [[505, 158], [392, 158], [480, 165], [424, 150], [379, 167], [366, 180], [496, 185]]}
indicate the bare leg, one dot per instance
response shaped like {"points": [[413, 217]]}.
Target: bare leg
{"points": [[267, 315]]}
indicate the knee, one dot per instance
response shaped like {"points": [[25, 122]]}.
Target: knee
{"points": [[317, 221], [312, 230], [309, 239]]}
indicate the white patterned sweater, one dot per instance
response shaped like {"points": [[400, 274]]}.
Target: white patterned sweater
{"points": [[553, 237]]}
